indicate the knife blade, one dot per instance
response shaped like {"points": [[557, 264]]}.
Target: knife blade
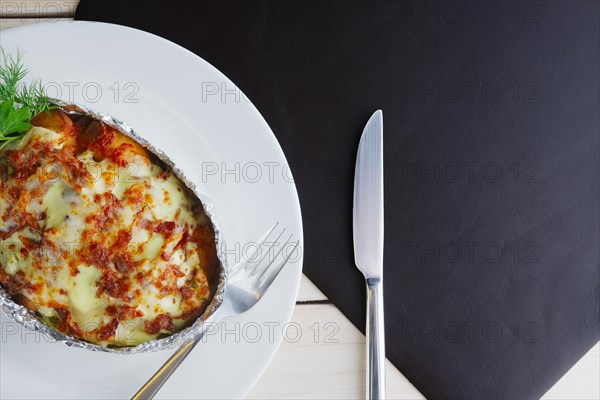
{"points": [[368, 199], [368, 245]]}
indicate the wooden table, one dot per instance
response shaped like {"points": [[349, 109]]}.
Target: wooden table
{"points": [[314, 367]]}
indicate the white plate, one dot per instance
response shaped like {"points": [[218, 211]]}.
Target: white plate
{"points": [[216, 136]]}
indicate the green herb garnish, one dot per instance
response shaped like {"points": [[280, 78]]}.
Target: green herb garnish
{"points": [[19, 102]]}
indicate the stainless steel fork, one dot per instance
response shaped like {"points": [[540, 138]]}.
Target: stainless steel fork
{"points": [[246, 284]]}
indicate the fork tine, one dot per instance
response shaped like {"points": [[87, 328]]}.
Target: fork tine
{"points": [[247, 260], [257, 264], [271, 261], [276, 270]]}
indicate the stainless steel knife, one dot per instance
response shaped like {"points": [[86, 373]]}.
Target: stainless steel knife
{"points": [[368, 245]]}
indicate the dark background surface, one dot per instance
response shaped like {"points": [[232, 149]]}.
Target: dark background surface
{"points": [[491, 134]]}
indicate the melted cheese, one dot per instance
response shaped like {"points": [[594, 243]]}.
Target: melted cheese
{"points": [[101, 249], [55, 206], [39, 134], [87, 308]]}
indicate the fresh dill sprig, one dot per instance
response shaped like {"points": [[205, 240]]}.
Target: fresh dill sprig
{"points": [[19, 102], [33, 97]]}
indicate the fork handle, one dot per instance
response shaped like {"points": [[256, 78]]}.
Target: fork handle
{"points": [[375, 340], [148, 391]]}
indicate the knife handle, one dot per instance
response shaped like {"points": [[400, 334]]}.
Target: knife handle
{"points": [[375, 340]]}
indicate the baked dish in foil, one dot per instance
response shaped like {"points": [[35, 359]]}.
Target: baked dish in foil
{"points": [[100, 238]]}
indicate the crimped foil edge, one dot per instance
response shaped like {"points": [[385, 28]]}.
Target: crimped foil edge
{"points": [[26, 317]]}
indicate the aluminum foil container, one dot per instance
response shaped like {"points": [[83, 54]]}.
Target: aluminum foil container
{"points": [[27, 318]]}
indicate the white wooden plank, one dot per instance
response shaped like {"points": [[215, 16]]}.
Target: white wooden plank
{"points": [[11, 23], [309, 292], [327, 365], [581, 382], [39, 9]]}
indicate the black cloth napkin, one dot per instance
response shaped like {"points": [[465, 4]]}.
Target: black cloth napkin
{"points": [[491, 113]]}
